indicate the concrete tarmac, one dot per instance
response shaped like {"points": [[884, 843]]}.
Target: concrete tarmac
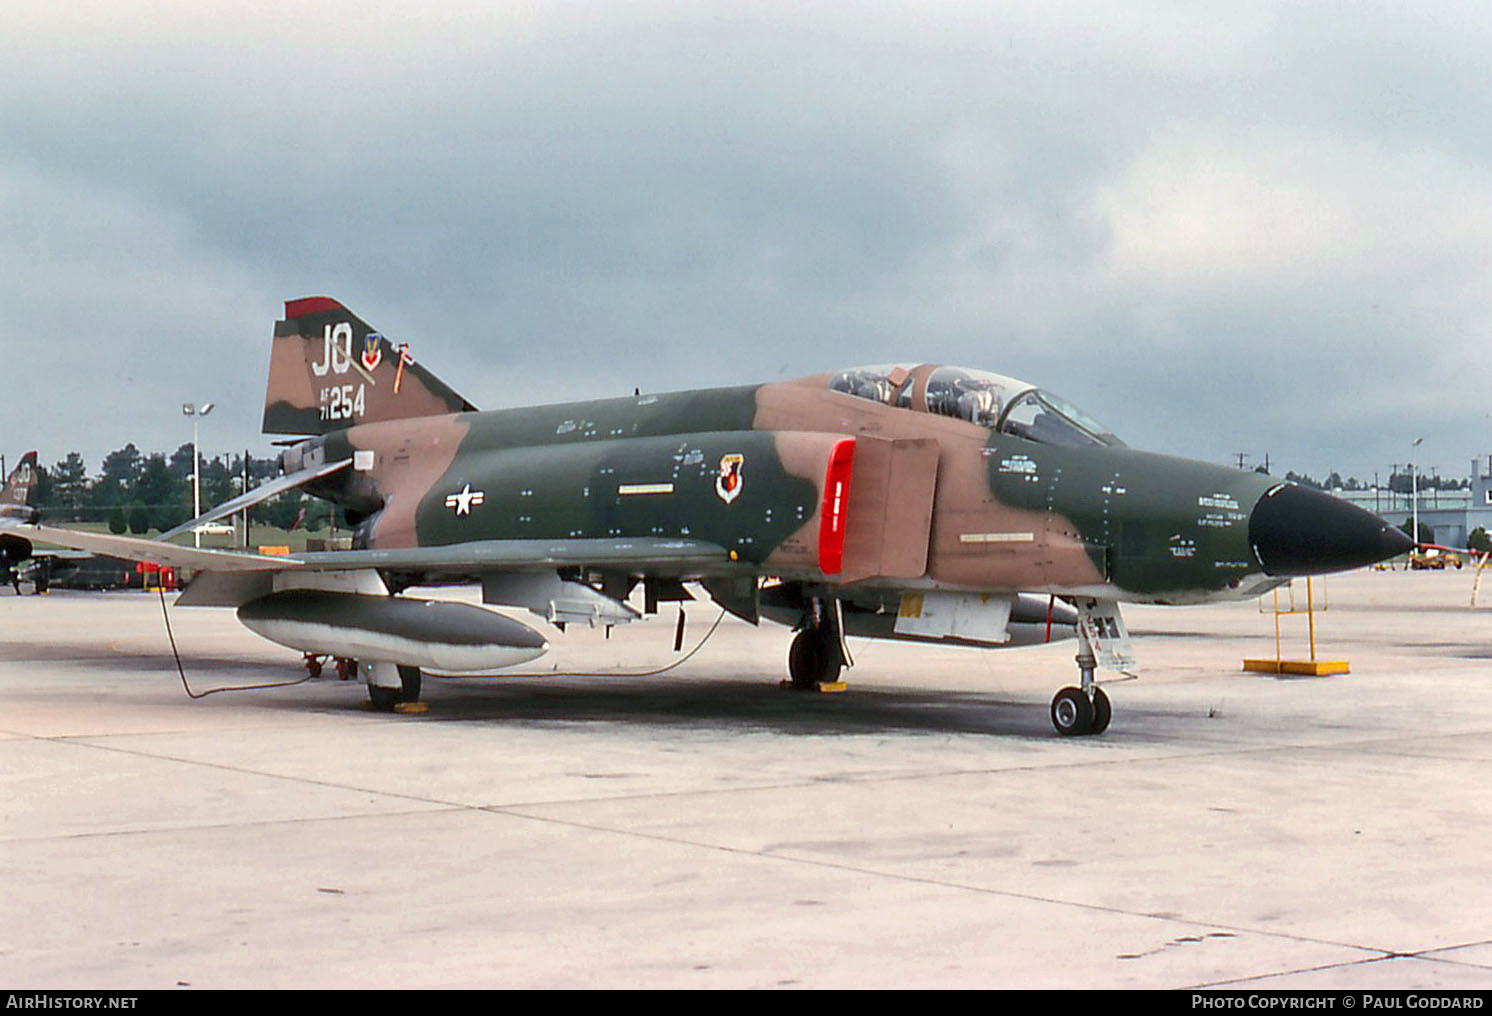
{"points": [[703, 828]]}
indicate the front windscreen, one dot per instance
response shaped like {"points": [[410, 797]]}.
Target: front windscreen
{"points": [[1043, 417]]}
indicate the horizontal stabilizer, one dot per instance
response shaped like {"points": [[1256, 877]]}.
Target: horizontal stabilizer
{"points": [[263, 492]]}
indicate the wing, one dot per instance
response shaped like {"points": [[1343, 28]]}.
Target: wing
{"points": [[650, 553], [134, 548], [228, 578], [653, 553]]}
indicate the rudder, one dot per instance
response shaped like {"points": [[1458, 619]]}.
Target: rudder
{"points": [[329, 370]]}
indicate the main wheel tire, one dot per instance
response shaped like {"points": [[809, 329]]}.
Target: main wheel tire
{"points": [[384, 699], [409, 677], [803, 661], [812, 660], [1072, 712], [1102, 712]]}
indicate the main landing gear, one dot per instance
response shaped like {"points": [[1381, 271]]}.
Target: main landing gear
{"points": [[392, 687], [387, 698], [817, 654], [1085, 710]]}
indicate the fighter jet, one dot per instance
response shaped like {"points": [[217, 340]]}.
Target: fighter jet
{"points": [[15, 507], [21, 562], [908, 501]]}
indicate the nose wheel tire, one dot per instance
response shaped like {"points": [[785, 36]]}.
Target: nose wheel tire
{"points": [[1102, 712], [1074, 714]]}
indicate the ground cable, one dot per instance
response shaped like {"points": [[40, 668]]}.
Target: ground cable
{"points": [[213, 691]]}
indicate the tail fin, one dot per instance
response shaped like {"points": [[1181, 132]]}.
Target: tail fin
{"points": [[329, 370], [15, 496]]}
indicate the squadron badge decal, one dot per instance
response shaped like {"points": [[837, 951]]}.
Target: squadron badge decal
{"points": [[372, 350], [728, 482]]}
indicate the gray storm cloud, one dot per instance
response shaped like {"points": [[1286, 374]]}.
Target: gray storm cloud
{"points": [[1217, 230]]}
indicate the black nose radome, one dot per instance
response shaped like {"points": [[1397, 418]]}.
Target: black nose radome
{"points": [[1296, 531]]}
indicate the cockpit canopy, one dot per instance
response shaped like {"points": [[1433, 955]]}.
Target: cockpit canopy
{"points": [[988, 400]]}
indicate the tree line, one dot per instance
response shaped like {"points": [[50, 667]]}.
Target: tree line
{"points": [[1399, 483], [136, 492]]}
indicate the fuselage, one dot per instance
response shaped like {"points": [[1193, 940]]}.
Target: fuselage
{"points": [[810, 484]]}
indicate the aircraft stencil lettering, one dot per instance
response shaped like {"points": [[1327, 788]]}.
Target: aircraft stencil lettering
{"points": [[919, 502], [342, 402], [336, 350]]}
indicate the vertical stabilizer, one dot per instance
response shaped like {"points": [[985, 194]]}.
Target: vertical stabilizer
{"points": [[15, 496], [329, 370]]}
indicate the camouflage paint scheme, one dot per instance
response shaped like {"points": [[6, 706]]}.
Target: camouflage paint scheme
{"points": [[1006, 514], [918, 502]]}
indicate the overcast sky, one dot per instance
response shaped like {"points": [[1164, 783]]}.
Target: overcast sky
{"points": [[1217, 227]]}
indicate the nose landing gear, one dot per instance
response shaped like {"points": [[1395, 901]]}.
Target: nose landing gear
{"points": [[1084, 710]]}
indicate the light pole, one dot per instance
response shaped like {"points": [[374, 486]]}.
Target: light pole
{"points": [[1414, 494], [196, 412]]}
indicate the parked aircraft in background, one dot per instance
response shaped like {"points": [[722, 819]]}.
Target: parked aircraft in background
{"points": [[15, 507], [911, 501], [69, 569]]}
